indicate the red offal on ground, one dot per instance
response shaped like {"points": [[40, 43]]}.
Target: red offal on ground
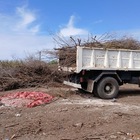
{"points": [[25, 99]]}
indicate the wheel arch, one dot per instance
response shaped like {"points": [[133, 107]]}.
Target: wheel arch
{"points": [[109, 74]]}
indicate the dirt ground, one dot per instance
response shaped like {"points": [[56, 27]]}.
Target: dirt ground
{"points": [[74, 116]]}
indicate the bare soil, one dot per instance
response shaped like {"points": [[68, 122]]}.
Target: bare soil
{"points": [[74, 116]]}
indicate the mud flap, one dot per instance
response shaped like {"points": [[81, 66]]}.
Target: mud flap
{"points": [[90, 86]]}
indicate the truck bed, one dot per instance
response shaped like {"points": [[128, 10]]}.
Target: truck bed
{"points": [[105, 59]]}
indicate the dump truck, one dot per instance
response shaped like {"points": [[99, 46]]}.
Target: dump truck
{"points": [[102, 70]]}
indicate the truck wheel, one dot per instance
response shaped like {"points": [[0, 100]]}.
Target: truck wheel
{"points": [[107, 88]]}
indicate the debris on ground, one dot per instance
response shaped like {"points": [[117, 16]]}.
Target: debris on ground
{"points": [[28, 99], [31, 73], [76, 118]]}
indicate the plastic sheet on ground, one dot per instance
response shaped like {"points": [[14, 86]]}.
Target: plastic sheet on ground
{"points": [[28, 99]]}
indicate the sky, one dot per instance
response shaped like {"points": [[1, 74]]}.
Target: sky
{"points": [[29, 26]]}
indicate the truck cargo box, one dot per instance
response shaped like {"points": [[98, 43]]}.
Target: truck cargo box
{"points": [[105, 59]]}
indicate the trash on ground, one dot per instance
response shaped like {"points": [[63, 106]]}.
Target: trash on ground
{"points": [[25, 98]]}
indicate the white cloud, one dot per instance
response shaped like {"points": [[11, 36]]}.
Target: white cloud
{"points": [[19, 34], [70, 30], [13, 45], [26, 19]]}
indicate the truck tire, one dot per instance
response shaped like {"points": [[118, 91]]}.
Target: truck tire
{"points": [[108, 88], [95, 93]]}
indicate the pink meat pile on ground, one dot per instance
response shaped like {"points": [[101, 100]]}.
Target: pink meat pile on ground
{"points": [[25, 98]]}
